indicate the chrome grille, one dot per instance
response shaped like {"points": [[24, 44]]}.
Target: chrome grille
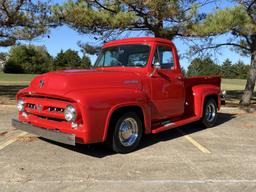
{"points": [[50, 109], [31, 106]]}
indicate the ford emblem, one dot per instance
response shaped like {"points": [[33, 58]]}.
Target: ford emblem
{"points": [[41, 83]]}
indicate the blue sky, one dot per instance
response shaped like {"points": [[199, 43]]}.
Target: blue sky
{"points": [[63, 38]]}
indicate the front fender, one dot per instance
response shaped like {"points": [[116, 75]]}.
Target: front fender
{"points": [[97, 106], [200, 92]]}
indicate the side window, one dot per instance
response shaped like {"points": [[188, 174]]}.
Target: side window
{"points": [[165, 57]]}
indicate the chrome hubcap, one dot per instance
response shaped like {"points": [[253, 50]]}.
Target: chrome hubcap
{"points": [[210, 112], [128, 132]]}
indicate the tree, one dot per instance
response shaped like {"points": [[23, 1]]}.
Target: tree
{"points": [[202, 67], [28, 59], [67, 59], [88, 49], [240, 22], [85, 62], [22, 20], [226, 69], [240, 70], [166, 19], [3, 56]]}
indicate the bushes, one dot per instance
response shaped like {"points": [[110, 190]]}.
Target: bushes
{"points": [[36, 59], [12, 67], [28, 59], [201, 67], [70, 59], [206, 66]]}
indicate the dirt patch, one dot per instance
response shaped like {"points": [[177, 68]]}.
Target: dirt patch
{"points": [[4, 100], [248, 126], [27, 138], [3, 133]]}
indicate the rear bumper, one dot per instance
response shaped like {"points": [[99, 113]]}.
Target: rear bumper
{"points": [[57, 136]]}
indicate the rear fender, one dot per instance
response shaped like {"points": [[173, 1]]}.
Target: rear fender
{"points": [[200, 92]]}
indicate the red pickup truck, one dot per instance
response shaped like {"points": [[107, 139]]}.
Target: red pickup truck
{"points": [[136, 87]]}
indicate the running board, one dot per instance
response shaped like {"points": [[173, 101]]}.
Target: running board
{"points": [[175, 124]]}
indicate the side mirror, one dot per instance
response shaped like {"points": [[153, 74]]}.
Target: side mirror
{"points": [[156, 66]]}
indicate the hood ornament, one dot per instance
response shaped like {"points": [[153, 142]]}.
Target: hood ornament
{"points": [[41, 83]]}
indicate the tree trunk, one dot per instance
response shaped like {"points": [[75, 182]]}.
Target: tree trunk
{"points": [[249, 87]]}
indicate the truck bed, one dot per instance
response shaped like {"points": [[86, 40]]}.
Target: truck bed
{"points": [[197, 80], [193, 81]]}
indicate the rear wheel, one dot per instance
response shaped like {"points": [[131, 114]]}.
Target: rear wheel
{"points": [[210, 113], [127, 133]]}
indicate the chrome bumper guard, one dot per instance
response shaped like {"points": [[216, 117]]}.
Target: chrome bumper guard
{"points": [[45, 133]]}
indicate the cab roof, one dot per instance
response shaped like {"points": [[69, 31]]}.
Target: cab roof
{"points": [[138, 40]]}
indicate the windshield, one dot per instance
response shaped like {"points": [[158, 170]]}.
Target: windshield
{"points": [[124, 55]]}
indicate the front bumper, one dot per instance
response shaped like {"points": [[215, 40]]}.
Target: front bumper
{"points": [[57, 136]]}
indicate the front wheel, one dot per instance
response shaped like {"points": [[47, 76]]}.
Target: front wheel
{"points": [[127, 133], [210, 113]]}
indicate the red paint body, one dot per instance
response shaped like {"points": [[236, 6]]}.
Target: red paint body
{"points": [[98, 93]]}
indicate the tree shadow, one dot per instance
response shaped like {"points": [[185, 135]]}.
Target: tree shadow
{"points": [[238, 94], [233, 97], [10, 91], [100, 151]]}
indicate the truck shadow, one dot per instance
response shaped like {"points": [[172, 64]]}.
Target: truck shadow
{"points": [[100, 151], [149, 140]]}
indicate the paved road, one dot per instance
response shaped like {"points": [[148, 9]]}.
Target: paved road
{"points": [[186, 159]]}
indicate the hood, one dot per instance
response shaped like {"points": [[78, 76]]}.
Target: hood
{"points": [[66, 81]]}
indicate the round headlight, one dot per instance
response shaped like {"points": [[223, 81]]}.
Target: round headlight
{"points": [[20, 105], [70, 113]]}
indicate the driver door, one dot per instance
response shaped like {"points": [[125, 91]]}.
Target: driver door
{"points": [[167, 85]]}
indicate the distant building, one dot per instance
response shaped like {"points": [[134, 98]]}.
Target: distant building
{"points": [[2, 64], [3, 59]]}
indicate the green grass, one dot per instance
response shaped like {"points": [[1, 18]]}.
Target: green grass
{"points": [[233, 84], [10, 84], [15, 79], [234, 88]]}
